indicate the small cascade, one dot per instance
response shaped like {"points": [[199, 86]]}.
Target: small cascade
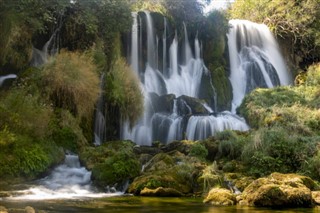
{"points": [[134, 41], [51, 47], [173, 110], [99, 121], [255, 59], [164, 47], [67, 181], [5, 77]]}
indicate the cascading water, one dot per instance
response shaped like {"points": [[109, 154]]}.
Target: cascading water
{"points": [[255, 60], [171, 97], [99, 120], [67, 181], [5, 77], [51, 47]]}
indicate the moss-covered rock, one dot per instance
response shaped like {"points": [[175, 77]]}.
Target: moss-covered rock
{"points": [[186, 103], [169, 170], [160, 192], [220, 197], [280, 190], [238, 180], [111, 163]]}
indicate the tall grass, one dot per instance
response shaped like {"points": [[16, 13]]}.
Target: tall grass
{"points": [[72, 82]]}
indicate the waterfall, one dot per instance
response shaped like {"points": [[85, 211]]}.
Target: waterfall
{"points": [[51, 47], [99, 120], [134, 41], [67, 181], [164, 48], [173, 110], [5, 77], [255, 59]]}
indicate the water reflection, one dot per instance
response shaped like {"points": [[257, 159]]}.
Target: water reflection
{"points": [[131, 204]]}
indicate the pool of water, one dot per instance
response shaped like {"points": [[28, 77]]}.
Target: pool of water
{"points": [[132, 204]]}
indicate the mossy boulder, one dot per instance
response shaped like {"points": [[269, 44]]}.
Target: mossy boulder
{"points": [[172, 170], [238, 180], [189, 105], [160, 192], [162, 103], [290, 190], [220, 197], [111, 163], [183, 146]]}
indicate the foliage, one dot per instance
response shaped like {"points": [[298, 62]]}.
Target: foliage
{"points": [[111, 163], [313, 75], [151, 5], [19, 107], [276, 149], [124, 92], [66, 131], [27, 158], [198, 150], [72, 82], [230, 144], [185, 11], [291, 20], [19, 22], [215, 57]]}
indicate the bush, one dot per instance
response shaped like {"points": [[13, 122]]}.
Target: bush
{"points": [[277, 150], [72, 82], [123, 91], [23, 113], [230, 144], [198, 150]]}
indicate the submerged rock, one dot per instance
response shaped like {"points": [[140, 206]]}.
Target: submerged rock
{"points": [[278, 189], [220, 197]]}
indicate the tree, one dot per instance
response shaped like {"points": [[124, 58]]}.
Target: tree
{"points": [[292, 20]]}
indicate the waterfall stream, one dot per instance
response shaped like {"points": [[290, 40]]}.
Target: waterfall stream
{"points": [[5, 77], [171, 95], [67, 181], [255, 59]]}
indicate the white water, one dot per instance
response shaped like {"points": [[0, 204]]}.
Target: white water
{"points": [[99, 120], [5, 77], [182, 77], [255, 59], [67, 181]]}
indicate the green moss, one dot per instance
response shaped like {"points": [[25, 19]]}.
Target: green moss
{"points": [[112, 162], [115, 169], [28, 158], [198, 150], [222, 86]]}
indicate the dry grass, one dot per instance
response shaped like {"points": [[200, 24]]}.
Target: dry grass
{"points": [[72, 82]]}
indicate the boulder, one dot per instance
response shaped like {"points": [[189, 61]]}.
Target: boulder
{"points": [[285, 190], [3, 209], [29, 209], [220, 197], [163, 103], [160, 192], [172, 170], [316, 197], [188, 105], [111, 163]]}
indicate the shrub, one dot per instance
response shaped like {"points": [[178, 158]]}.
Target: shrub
{"points": [[72, 82], [19, 108], [198, 150], [276, 149], [230, 144], [123, 91], [313, 75]]}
